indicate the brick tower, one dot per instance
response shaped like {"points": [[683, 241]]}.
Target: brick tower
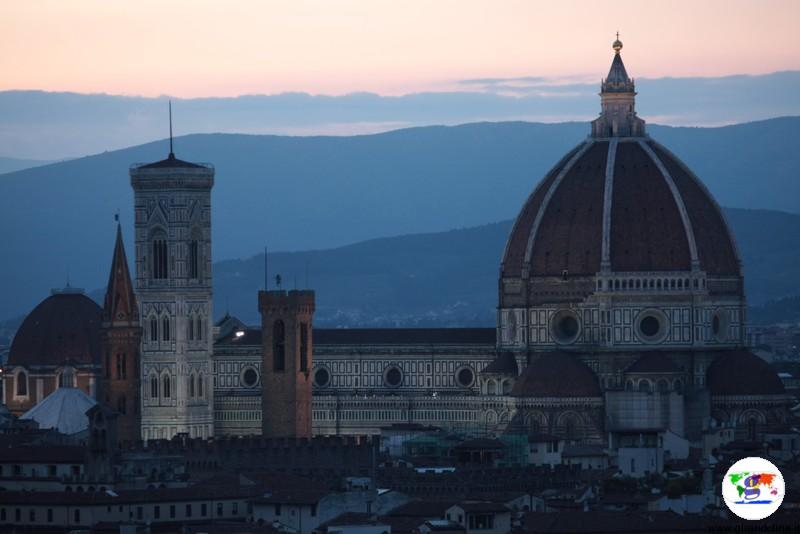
{"points": [[286, 362], [120, 337]]}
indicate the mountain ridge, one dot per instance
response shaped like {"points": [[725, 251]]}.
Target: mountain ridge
{"points": [[300, 193]]}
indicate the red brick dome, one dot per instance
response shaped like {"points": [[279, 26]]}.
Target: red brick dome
{"points": [[625, 202], [64, 327]]}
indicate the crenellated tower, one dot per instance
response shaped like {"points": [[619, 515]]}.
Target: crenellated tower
{"points": [[120, 337], [286, 323], [173, 286]]}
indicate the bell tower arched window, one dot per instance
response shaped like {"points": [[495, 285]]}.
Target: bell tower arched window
{"points": [[194, 259], [153, 329], [159, 257], [278, 346], [165, 328], [200, 385], [166, 386], [153, 386]]}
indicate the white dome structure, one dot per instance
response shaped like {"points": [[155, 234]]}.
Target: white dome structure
{"points": [[63, 410]]}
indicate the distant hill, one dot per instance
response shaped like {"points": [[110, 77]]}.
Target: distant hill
{"points": [[450, 278], [300, 193], [15, 164]]}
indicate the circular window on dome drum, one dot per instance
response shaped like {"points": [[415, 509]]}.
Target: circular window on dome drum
{"points": [[322, 377], [719, 325], [465, 377], [393, 376], [249, 377], [652, 326], [565, 327]]}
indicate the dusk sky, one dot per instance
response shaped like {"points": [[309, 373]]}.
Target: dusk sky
{"points": [[212, 48]]}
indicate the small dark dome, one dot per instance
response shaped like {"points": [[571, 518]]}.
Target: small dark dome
{"points": [[557, 374], [657, 211], [64, 327], [740, 372], [504, 363]]}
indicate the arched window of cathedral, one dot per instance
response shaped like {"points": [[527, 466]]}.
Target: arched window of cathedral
{"points": [[190, 329], [122, 405], [491, 387], [159, 255], [153, 386], [663, 385], [122, 367], [629, 385], [153, 329], [278, 346], [200, 385], [165, 328], [199, 330], [645, 386], [506, 387], [190, 379], [166, 386], [22, 384]]}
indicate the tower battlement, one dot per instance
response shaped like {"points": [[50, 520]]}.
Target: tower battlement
{"points": [[302, 300]]}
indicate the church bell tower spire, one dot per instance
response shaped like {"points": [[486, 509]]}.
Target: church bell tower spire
{"points": [[617, 100]]}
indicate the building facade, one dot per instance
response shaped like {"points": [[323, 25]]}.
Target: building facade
{"points": [[621, 317], [172, 200]]}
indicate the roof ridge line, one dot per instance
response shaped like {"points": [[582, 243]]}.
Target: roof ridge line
{"points": [[680, 204], [548, 196]]}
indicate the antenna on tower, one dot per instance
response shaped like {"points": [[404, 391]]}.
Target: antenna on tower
{"points": [[266, 270], [171, 154]]}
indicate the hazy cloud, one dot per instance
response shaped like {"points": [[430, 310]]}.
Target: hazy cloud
{"points": [[40, 125]]}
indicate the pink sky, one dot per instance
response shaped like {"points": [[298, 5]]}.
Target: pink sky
{"points": [[228, 48]]}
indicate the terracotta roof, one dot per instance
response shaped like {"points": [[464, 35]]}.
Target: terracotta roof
{"points": [[574, 522], [64, 327], [715, 244], [514, 255], [426, 509], [557, 374], [575, 451], [740, 372], [482, 506], [505, 363], [568, 236], [481, 443], [54, 454], [647, 232], [380, 336], [297, 496], [653, 362]]}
